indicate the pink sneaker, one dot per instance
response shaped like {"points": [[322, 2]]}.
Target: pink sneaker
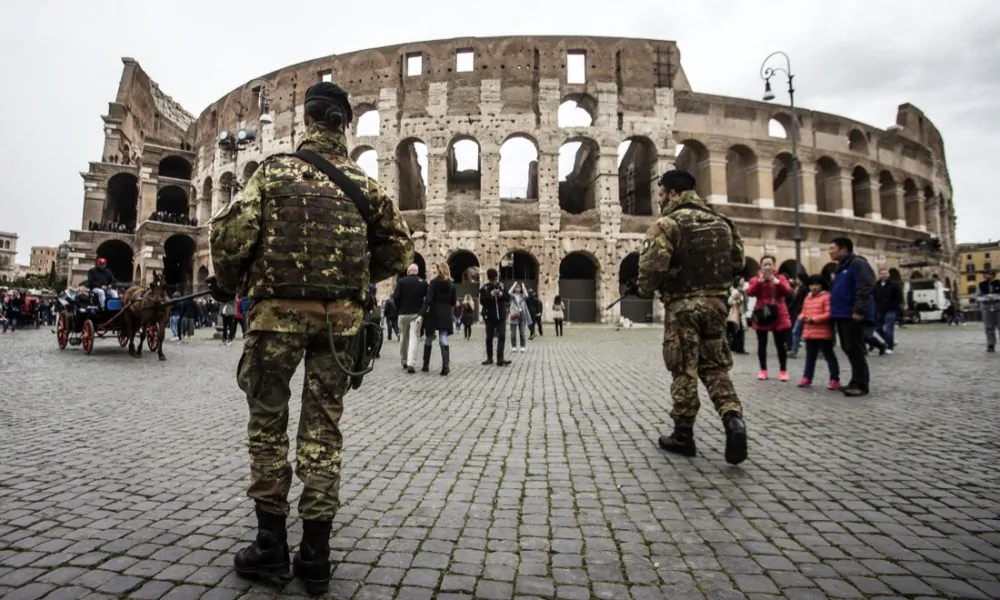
{"points": [[806, 382], [782, 375], [762, 375], [834, 385]]}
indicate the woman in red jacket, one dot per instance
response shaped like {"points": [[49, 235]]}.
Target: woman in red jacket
{"points": [[770, 314]]}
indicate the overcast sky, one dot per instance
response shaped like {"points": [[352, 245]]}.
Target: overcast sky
{"points": [[61, 64]]}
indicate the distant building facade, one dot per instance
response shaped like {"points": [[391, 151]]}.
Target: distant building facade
{"points": [[8, 256], [974, 259], [42, 259]]}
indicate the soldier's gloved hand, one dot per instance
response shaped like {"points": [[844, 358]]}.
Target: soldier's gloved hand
{"points": [[632, 287], [218, 295]]}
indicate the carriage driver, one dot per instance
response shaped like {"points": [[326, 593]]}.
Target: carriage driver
{"points": [[102, 282]]}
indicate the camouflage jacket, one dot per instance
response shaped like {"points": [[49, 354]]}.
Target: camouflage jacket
{"points": [[236, 231], [661, 241]]}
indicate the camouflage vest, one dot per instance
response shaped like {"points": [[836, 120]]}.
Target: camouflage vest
{"points": [[702, 261], [313, 241]]}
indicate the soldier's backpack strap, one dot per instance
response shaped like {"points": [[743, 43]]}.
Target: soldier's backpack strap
{"points": [[343, 181]]}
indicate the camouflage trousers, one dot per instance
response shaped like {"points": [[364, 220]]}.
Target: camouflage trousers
{"points": [[695, 347], [269, 360]]}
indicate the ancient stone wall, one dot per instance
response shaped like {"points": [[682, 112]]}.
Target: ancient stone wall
{"points": [[422, 109]]}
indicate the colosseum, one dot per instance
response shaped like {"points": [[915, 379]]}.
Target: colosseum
{"points": [[534, 155]]}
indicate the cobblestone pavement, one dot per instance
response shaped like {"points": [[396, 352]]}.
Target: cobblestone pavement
{"points": [[125, 478]]}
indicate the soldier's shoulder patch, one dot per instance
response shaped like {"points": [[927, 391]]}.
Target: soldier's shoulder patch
{"points": [[646, 245]]}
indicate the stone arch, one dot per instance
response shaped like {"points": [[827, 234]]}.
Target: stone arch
{"points": [[120, 259], [639, 310], [172, 199], [137, 279], [579, 278], [464, 165], [205, 203], [519, 265], [178, 262], [418, 259], [827, 184], [367, 122], [750, 268], [577, 110], [411, 174], [861, 192], [741, 175], [202, 275], [227, 185], [464, 267], [857, 141], [930, 208], [787, 269], [579, 165], [693, 158], [887, 197], [780, 126], [782, 185], [122, 201], [828, 270], [366, 157], [637, 175], [519, 167], [911, 203], [174, 167], [249, 169]]}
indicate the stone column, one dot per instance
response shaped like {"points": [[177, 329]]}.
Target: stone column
{"points": [[549, 214], [489, 194], [840, 192], [387, 175], [147, 194], [892, 197], [608, 202], [807, 189], [921, 211], [871, 191], [760, 186], [712, 179]]}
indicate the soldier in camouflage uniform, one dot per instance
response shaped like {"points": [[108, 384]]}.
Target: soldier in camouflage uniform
{"points": [[298, 247], [690, 256]]}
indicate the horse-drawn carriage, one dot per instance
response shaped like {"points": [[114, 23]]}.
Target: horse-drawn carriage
{"points": [[82, 320]]}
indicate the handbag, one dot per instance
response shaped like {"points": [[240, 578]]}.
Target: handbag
{"points": [[764, 315]]}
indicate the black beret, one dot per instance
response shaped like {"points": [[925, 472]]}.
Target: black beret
{"points": [[677, 175], [330, 92]]}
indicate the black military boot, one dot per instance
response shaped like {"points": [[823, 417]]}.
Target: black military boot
{"points": [[736, 437], [267, 557], [445, 360], [427, 359], [681, 441], [312, 560]]}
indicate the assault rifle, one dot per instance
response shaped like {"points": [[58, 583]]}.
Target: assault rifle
{"points": [[630, 285]]}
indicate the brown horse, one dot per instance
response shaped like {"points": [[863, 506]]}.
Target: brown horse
{"points": [[144, 310]]}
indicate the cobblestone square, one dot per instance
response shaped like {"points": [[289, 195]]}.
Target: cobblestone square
{"points": [[122, 478]]}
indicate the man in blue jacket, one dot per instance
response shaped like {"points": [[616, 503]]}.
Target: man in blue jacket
{"points": [[852, 310]]}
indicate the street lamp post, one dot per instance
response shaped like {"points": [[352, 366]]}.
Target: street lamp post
{"points": [[766, 73], [233, 144]]}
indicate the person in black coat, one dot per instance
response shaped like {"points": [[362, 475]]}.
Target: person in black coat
{"points": [[436, 315], [493, 299]]}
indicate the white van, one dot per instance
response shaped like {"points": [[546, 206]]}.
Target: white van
{"points": [[926, 300]]}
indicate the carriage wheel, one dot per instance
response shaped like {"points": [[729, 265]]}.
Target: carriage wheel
{"points": [[122, 338], [152, 338], [88, 336], [62, 331]]}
